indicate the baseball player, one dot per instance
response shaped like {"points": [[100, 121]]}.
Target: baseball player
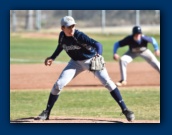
{"points": [[137, 43], [81, 49]]}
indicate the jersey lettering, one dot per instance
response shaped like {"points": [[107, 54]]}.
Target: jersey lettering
{"points": [[71, 47], [88, 47]]}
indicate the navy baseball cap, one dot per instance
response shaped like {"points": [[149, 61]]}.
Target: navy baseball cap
{"points": [[67, 21], [136, 30]]}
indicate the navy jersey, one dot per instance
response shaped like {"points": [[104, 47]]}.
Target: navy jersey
{"points": [[78, 47], [142, 43], [135, 44]]}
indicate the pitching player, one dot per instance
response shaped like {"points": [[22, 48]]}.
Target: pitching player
{"points": [[81, 49], [137, 43]]}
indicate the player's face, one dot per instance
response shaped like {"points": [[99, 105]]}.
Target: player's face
{"points": [[137, 37], [69, 31]]}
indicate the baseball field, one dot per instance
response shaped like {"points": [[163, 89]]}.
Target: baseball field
{"points": [[84, 99]]}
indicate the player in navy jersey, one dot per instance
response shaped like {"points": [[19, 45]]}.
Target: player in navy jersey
{"points": [[81, 49], [137, 43]]}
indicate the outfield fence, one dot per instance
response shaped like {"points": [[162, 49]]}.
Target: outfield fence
{"points": [[30, 20]]}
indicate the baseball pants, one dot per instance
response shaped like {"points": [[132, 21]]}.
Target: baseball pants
{"points": [[76, 67], [129, 56]]}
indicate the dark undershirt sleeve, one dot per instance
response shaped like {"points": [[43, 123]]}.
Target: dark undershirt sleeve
{"points": [[56, 52], [99, 48]]}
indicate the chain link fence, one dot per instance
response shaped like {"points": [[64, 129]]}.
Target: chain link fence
{"points": [[31, 20]]}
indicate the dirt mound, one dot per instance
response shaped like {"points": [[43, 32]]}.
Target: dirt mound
{"points": [[80, 120]]}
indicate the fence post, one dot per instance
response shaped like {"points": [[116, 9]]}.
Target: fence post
{"points": [[103, 20], [14, 21], [38, 19], [69, 12], [138, 17], [29, 20]]}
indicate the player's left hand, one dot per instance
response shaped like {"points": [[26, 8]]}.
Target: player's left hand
{"points": [[157, 53]]}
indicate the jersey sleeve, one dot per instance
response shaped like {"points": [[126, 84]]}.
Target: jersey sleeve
{"points": [[124, 41], [155, 44], [115, 47], [152, 41], [84, 39], [59, 47]]}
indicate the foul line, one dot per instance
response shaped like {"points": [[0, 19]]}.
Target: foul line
{"points": [[30, 60]]}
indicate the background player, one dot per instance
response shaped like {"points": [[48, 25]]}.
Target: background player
{"points": [[81, 49], [137, 43]]}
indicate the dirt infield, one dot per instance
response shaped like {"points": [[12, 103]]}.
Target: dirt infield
{"points": [[80, 120], [38, 76]]}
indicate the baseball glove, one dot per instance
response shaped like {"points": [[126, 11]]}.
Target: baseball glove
{"points": [[97, 63]]}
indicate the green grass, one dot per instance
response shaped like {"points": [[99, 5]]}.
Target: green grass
{"points": [[87, 103], [31, 50]]}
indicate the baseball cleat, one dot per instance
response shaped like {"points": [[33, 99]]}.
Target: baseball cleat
{"points": [[43, 116], [121, 83], [129, 115]]}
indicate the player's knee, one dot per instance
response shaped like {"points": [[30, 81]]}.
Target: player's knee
{"points": [[57, 88], [123, 59], [123, 62], [110, 85]]}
